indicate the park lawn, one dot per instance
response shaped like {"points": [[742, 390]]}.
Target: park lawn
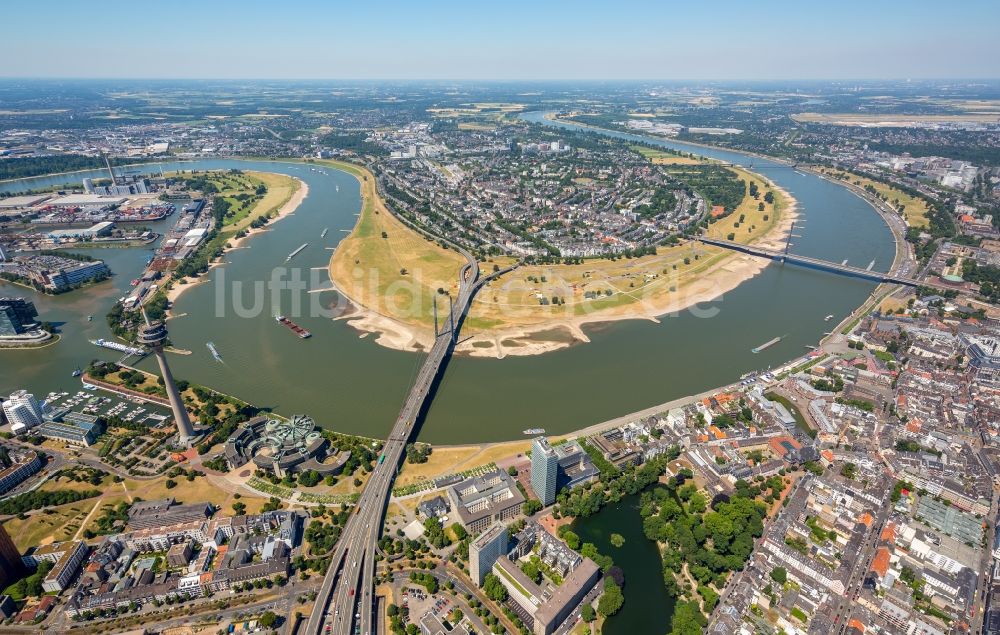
{"points": [[470, 125], [514, 299], [669, 157], [754, 224], [66, 485], [280, 188], [344, 485], [452, 460], [189, 396], [915, 210], [196, 491], [149, 381], [891, 304], [40, 528], [369, 268], [440, 462], [677, 160]]}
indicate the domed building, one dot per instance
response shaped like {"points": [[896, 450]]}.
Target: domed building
{"points": [[284, 447]]}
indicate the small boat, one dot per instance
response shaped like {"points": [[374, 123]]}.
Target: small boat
{"points": [[325, 230], [533, 431], [77, 372], [828, 318], [90, 318], [214, 351], [338, 188], [766, 345]]}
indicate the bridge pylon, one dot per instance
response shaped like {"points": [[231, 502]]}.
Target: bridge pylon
{"points": [[788, 242], [451, 318]]}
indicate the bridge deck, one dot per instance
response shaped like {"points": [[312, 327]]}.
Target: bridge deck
{"points": [[816, 263], [349, 581]]}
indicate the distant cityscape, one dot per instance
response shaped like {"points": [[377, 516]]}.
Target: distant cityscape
{"points": [[615, 449]]}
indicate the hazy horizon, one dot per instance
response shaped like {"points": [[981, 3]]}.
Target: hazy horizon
{"points": [[450, 41]]}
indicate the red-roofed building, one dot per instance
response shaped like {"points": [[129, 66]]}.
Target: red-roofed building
{"points": [[889, 533], [781, 446], [880, 563]]}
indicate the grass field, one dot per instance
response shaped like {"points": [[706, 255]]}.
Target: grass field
{"points": [[892, 304], [386, 266], [915, 209], [280, 188], [65, 522], [58, 524], [666, 157], [196, 491], [619, 286], [240, 191], [444, 461], [189, 396]]}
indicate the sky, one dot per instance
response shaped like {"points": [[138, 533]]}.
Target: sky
{"points": [[511, 40]]}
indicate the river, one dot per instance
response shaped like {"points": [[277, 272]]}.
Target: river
{"points": [[354, 385]]}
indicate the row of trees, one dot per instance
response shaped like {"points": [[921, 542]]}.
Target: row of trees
{"points": [[38, 499]]}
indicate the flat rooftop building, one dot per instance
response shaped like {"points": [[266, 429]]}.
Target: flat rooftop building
{"points": [[77, 428], [484, 551], [166, 512], [83, 200], [18, 202], [482, 500], [567, 595]]}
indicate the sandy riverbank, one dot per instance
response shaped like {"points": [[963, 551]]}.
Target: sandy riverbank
{"points": [[561, 332], [286, 209], [733, 270]]}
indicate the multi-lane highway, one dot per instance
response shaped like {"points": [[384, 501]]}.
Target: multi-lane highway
{"points": [[345, 603]]}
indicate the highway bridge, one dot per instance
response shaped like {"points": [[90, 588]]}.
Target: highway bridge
{"points": [[823, 265], [345, 603]]}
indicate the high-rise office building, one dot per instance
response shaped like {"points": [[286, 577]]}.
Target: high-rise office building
{"points": [[544, 470], [17, 316], [10, 559], [484, 551], [22, 411]]}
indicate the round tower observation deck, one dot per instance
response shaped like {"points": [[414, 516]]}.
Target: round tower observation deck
{"points": [[153, 334]]}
